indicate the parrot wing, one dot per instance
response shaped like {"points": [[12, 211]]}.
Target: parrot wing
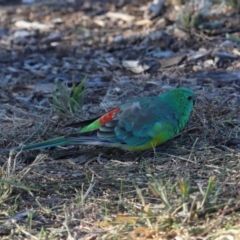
{"points": [[135, 123]]}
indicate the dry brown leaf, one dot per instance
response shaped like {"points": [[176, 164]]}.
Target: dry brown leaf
{"points": [[126, 219]]}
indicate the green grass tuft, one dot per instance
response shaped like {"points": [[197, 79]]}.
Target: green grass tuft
{"points": [[69, 101]]}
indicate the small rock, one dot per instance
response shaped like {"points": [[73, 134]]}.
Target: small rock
{"points": [[4, 32], [208, 63], [118, 39], [163, 54], [53, 37], [227, 43], [21, 34], [28, 1], [135, 66], [225, 55], [33, 25], [57, 20]]}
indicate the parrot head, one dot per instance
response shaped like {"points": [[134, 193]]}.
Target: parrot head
{"points": [[181, 100]]}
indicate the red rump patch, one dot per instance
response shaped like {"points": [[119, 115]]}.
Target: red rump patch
{"points": [[108, 116]]}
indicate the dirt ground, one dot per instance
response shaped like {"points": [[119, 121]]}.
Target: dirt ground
{"points": [[187, 188]]}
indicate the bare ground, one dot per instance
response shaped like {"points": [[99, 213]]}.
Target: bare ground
{"points": [[187, 188]]}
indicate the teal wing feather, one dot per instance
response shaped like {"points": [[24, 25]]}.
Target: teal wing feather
{"points": [[134, 124]]}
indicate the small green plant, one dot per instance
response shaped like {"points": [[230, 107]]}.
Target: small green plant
{"points": [[30, 219], [190, 20], [192, 203], [67, 100], [158, 188], [192, 15], [211, 194], [195, 14], [184, 188], [10, 180], [232, 38], [235, 4]]}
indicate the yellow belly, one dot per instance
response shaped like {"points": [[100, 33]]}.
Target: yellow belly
{"points": [[152, 144]]}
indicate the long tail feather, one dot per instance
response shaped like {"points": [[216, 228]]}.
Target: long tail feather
{"points": [[61, 141]]}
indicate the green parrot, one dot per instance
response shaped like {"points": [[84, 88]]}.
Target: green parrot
{"points": [[139, 124]]}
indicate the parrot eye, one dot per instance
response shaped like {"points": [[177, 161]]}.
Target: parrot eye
{"points": [[190, 98]]}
